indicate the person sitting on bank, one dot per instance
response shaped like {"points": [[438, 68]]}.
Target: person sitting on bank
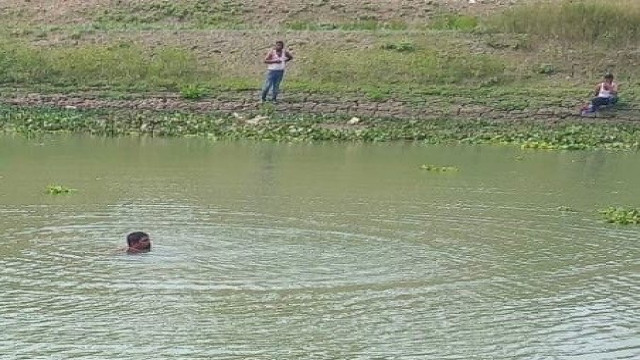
{"points": [[606, 94], [275, 60], [138, 242]]}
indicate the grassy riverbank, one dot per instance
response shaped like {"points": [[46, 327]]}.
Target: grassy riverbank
{"points": [[569, 135], [529, 55]]}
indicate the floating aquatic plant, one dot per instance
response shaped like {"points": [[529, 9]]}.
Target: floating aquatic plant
{"points": [[313, 128], [620, 215], [438, 168], [58, 189], [545, 145]]}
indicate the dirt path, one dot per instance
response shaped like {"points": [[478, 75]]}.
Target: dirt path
{"points": [[243, 102]]}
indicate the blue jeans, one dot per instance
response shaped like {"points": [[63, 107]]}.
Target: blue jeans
{"points": [[274, 78], [599, 101]]}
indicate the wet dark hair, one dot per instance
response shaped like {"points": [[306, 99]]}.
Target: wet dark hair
{"points": [[609, 76], [135, 237], [280, 42]]}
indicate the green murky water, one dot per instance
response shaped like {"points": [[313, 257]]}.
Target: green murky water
{"points": [[336, 251]]}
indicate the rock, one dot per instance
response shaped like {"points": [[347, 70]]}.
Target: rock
{"points": [[256, 120], [545, 112], [353, 121]]}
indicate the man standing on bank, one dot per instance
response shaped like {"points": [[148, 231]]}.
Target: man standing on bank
{"points": [[276, 60]]}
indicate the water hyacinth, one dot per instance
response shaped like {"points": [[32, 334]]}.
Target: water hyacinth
{"points": [[621, 215], [315, 127], [435, 168], [53, 189]]}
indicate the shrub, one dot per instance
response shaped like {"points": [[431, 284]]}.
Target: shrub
{"points": [[546, 69], [402, 46], [192, 92]]}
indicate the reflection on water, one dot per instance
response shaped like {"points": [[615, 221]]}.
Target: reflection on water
{"points": [[270, 251]]}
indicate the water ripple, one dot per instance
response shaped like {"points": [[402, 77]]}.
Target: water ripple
{"points": [[410, 280]]}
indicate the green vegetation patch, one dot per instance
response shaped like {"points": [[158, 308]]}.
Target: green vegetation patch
{"points": [[607, 22], [401, 46], [193, 92], [310, 128], [620, 215], [393, 66], [454, 22], [583, 137], [57, 189], [359, 25], [406, 66], [546, 145], [201, 13], [119, 65], [439, 169]]}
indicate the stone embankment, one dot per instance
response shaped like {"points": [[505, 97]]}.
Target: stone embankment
{"points": [[312, 104]]}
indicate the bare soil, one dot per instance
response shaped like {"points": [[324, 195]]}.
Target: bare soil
{"points": [[263, 12]]}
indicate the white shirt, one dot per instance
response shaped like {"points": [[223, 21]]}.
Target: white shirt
{"points": [[282, 60], [606, 93]]}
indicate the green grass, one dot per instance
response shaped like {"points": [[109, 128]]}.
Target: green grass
{"points": [[391, 67], [454, 22], [592, 21], [394, 69], [118, 65], [199, 13]]}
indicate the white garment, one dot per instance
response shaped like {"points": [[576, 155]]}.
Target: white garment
{"points": [[605, 93], [281, 60]]}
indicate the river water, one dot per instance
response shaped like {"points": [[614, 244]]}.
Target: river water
{"points": [[324, 251]]}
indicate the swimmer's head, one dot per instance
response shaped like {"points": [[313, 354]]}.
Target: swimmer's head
{"points": [[138, 242]]}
